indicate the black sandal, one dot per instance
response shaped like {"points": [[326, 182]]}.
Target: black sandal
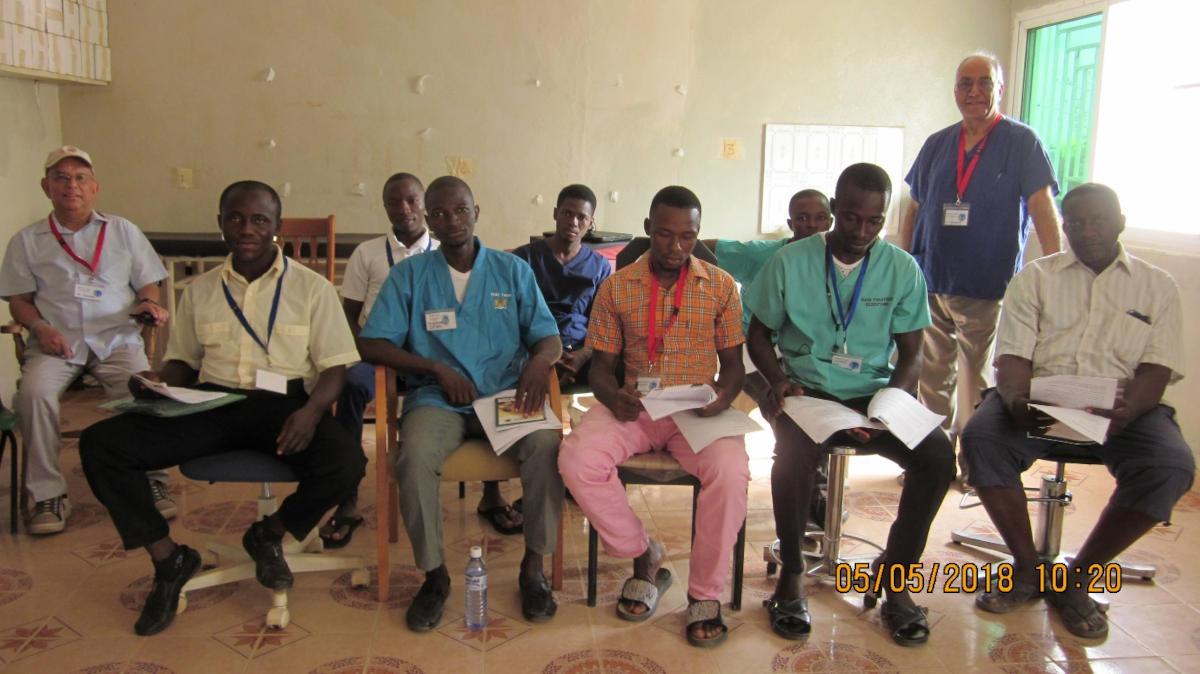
{"points": [[497, 514], [789, 617], [335, 525], [907, 623]]}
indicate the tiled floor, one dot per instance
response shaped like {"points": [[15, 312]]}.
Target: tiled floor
{"points": [[68, 602]]}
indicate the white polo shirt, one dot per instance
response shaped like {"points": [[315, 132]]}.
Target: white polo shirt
{"points": [[368, 267], [1067, 319]]}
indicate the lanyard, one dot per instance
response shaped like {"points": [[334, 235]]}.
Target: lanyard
{"points": [[387, 246], [95, 263], [653, 341], [274, 310], [964, 179], [844, 316]]}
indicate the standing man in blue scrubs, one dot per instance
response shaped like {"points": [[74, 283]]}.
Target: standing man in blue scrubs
{"points": [[462, 322], [975, 186], [569, 274]]}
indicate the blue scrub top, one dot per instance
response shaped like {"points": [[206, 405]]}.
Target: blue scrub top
{"points": [[569, 289], [743, 260], [501, 317], [789, 297], [977, 260]]}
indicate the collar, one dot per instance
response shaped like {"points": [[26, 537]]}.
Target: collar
{"points": [[229, 274], [97, 218], [420, 244], [1067, 259], [696, 268]]}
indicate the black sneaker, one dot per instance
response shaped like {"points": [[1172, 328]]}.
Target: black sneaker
{"points": [[266, 550], [170, 575]]}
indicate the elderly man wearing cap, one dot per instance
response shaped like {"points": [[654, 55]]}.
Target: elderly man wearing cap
{"points": [[76, 279]]}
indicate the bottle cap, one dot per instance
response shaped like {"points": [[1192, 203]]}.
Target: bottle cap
{"points": [[476, 552]]}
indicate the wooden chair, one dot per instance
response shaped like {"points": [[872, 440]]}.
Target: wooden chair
{"points": [[473, 461], [294, 233]]}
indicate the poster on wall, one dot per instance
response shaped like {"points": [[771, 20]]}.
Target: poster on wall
{"points": [[804, 156]]}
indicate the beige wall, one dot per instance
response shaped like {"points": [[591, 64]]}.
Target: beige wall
{"points": [[31, 128], [343, 107]]}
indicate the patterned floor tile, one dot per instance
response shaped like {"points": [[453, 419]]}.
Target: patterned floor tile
{"points": [[34, 638], [252, 639], [501, 629]]}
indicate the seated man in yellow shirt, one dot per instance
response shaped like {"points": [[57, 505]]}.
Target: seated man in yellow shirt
{"points": [[258, 326]]}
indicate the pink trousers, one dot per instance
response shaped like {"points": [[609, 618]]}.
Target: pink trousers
{"points": [[588, 459]]}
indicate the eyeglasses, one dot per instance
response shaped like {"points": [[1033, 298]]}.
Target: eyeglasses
{"points": [[66, 178], [985, 85]]}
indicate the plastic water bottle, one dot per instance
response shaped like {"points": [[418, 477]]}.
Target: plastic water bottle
{"points": [[477, 611]]}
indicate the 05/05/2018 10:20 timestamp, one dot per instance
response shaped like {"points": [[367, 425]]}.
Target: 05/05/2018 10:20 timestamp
{"points": [[969, 578]]}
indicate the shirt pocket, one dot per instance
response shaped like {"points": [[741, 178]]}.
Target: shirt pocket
{"points": [[1130, 339], [213, 334], [289, 346]]}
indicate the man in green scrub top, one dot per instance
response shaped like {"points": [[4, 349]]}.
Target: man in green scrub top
{"points": [[838, 345]]}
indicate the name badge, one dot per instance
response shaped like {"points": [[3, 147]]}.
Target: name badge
{"points": [[89, 291], [436, 321], [648, 384], [955, 215], [270, 381], [851, 363]]}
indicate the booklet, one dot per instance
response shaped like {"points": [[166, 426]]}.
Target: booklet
{"points": [[1065, 398], [503, 436], [166, 407], [189, 396], [891, 409], [664, 402], [700, 432]]}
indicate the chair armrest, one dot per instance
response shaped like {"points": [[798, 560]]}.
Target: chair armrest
{"points": [[12, 328]]}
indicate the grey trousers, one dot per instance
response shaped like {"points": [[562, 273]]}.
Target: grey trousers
{"points": [[963, 330], [427, 436], [43, 380]]}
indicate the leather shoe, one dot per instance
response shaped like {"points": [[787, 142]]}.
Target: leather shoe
{"points": [[169, 578], [270, 567], [537, 600], [425, 611]]}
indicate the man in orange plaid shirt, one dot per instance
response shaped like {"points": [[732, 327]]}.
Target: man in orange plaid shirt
{"points": [[670, 319]]}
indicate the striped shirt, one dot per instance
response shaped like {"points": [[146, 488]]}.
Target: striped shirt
{"points": [[1067, 319], [709, 320]]}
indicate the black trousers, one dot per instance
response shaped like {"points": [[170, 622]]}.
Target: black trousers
{"points": [[117, 452], [929, 469]]}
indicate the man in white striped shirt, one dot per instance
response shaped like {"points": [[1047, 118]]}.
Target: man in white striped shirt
{"points": [[1097, 311]]}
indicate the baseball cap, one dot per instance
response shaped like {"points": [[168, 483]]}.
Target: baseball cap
{"points": [[66, 152]]}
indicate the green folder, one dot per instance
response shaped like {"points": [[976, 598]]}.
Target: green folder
{"points": [[165, 407]]}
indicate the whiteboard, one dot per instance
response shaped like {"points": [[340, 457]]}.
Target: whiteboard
{"points": [[812, 156]]}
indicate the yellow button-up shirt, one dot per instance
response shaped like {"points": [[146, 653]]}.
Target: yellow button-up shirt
{"points": [[311, 333], [1067, 319]]}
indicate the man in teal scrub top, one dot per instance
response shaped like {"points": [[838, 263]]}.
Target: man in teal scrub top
{"points": [[463, 322], [838, 345]]}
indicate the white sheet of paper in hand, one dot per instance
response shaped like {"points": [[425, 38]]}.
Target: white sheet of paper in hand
{"points": [[503, 438], [1091, 426], [701, 432], [820, 418], [1075, 392], [905, 418], [183, 395], [664, 402]]}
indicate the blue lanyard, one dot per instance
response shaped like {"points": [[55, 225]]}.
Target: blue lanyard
{"points": [[387, 245], [844, 316], [274, 310]]}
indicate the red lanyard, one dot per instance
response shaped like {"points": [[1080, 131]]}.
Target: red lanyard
{"points": [[653, 341], [964, 179], [94, 265]]}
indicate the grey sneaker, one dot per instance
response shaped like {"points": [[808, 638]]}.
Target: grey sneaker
{"points": [[50, 516], [162, 499]]}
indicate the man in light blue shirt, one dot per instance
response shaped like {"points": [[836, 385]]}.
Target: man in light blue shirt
{"points": [[75, 279], [464, 322]]}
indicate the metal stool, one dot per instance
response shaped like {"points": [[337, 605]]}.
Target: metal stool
{"points": [[1052, 498], [829, 553]]}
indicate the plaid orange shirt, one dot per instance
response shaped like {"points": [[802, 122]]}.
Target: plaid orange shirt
{"points": [[709, 320]]}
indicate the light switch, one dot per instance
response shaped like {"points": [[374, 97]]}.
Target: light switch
{"points": [[182, 178]]}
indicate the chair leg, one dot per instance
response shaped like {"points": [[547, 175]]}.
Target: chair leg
{"points": [[739, 567], [13, 487], [556, 560], [593, 563], [393, 512], [462, 490]]}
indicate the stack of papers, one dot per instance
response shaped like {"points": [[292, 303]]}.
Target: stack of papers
{"points": [[189, 396], [1065, 397], [891, 409], [501, 431], [664, 402], [700, 432]]}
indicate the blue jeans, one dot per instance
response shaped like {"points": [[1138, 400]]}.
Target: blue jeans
{"points": [[356, 395]]}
